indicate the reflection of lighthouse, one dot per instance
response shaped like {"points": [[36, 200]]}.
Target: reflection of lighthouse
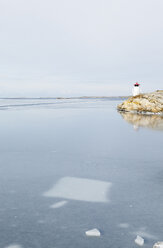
{"points": [[136, 89]]}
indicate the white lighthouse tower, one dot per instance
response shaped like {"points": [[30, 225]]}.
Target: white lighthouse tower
{"points": [[136, 89]]}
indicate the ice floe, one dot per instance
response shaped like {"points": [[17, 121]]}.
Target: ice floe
{"points": [[159, 244], [139, 240], [80, 189], [93, 232]]}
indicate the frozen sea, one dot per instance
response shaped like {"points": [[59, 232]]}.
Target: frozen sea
{"points": [[71, 165]]}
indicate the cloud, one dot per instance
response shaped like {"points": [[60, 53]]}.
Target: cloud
{"points": [[118, 41]]}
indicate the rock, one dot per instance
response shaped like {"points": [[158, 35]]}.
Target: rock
{"points": [[139, 240], [93, 232], [144, 103], [158, 245]]}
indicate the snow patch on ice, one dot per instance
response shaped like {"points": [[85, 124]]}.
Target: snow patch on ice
{"points": [[59, 204], [13, 246], [123, 225], [143, 233], [40, 221]]}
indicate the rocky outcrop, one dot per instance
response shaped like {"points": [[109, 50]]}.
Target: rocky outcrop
{"points": [[144, 103]]}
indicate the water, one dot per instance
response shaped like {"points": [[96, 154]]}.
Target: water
{"points": [[67, 166]]}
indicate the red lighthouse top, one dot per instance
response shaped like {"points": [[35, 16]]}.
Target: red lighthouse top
{"points": [[136, 84]]}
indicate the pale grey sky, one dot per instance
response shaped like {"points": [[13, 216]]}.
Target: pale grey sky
{"points": [[80, 47]]}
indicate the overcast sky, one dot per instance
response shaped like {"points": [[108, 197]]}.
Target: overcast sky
{"points": [[80, 47]]}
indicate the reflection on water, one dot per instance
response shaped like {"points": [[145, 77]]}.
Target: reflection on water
{"points": [[139, 120], [80, 189]]}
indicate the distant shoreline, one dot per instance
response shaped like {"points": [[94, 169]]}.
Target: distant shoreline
{"points": [[62, 98], [8, 102]]}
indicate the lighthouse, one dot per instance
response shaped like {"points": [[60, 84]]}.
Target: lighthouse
{"points": [[136, 89]]}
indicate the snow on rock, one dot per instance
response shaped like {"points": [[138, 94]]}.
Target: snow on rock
{"points": [[139, 240], [158, 245], [93, 232]]}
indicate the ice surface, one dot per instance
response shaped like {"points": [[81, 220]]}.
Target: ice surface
{"points": [[80, 189], [93, 142], [139, 240], [93, 232]]}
